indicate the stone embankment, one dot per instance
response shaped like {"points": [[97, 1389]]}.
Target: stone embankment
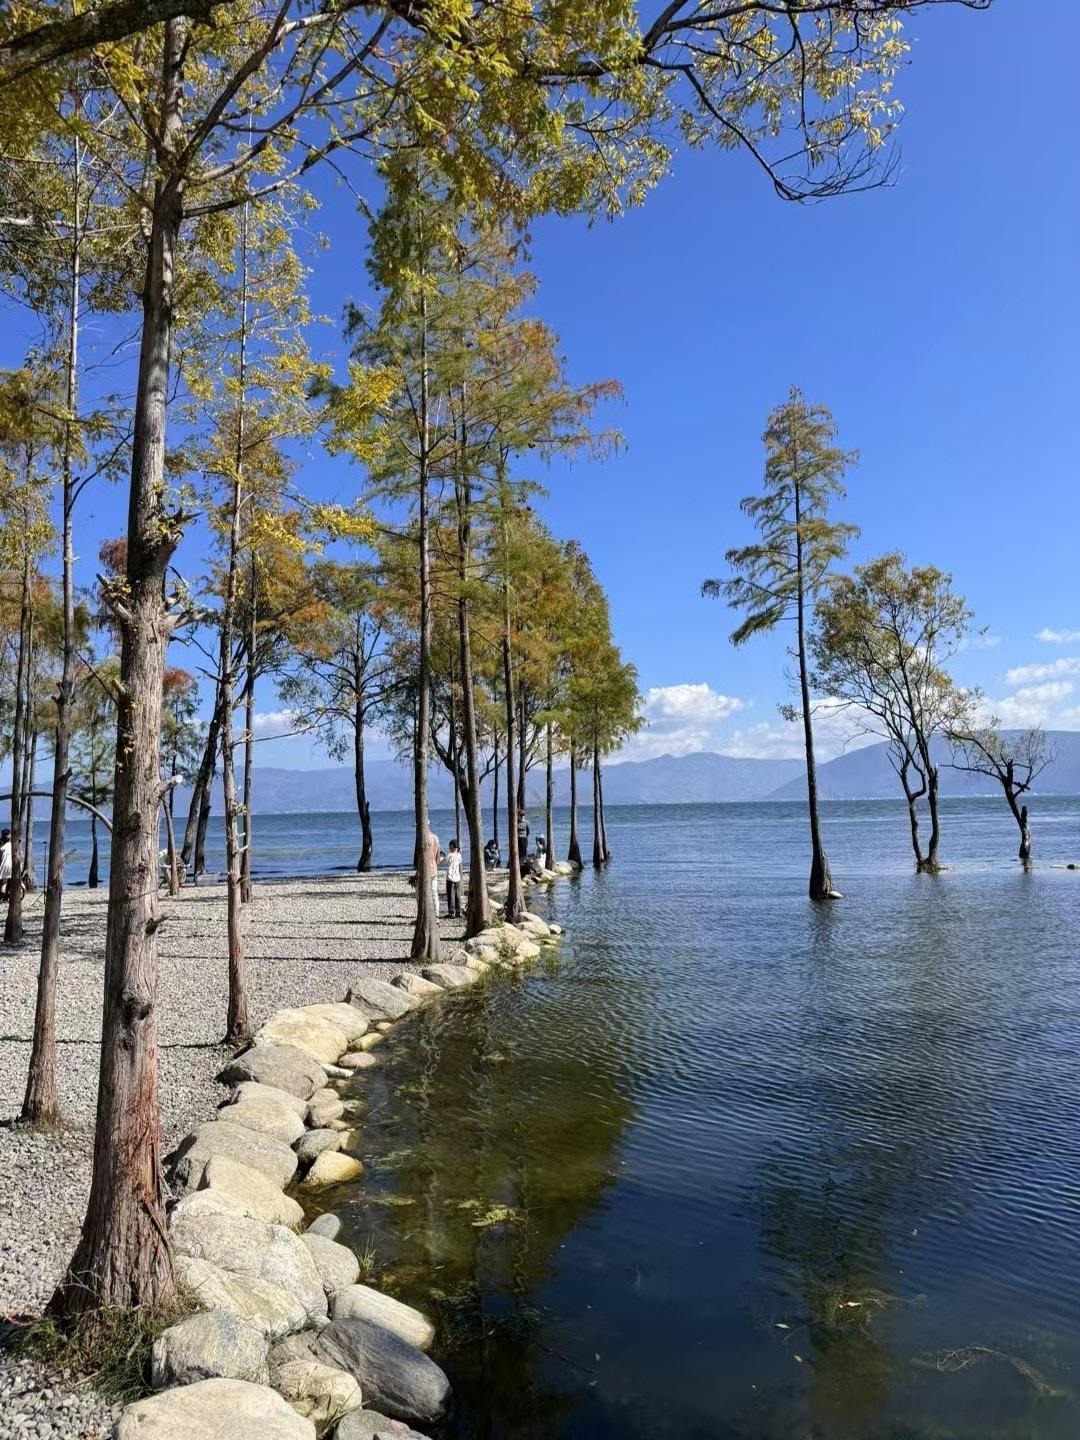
{"points": [[287, 1343]]}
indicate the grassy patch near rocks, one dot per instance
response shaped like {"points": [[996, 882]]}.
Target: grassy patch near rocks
{"points": [[109, 1349]]}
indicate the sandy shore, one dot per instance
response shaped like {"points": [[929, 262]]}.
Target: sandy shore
{"points": [[304, 939]]}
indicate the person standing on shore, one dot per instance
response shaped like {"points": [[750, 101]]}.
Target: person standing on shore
{"points": [[436, 855], [5, 862], [453, 881]]}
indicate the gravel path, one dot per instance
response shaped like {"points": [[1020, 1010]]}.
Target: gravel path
{"points": [[305, 939]]}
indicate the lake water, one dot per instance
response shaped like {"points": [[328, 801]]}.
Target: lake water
{"points": [[733, 1166]]}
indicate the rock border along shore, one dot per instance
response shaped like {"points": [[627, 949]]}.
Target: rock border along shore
{"points": [[286, 1343]]}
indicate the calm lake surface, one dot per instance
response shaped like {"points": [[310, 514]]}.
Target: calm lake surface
{"points": [[733, 1166]]}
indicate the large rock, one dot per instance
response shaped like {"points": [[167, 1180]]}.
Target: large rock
{"points": [[395, 1377], [284, 1067], [207, 1202], [380, 1000], [248, 1147], [247, 1192], [266, 1307], [348, 1019], [361, 1302], [214, 1410], [370, 1425], [321, 1392], [332, 1168], [212, 1344], [336, 1264], [266, 1116], [313, 1142], [416, 986], [318, 1038], [244, 1246], [450, 977], [533, 925], [249, 1090]]}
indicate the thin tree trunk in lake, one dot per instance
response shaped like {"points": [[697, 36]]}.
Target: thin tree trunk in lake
{"points": [[362, 807], [821, 883], [549, 800], [124, 1259], [603, 822], [913, 796], [935, 818], [597, 841], [573, 853], [514, 902]]}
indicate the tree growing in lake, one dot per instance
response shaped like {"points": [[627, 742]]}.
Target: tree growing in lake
{"points": [[884, 636], [777, 579], [1015, 762]]}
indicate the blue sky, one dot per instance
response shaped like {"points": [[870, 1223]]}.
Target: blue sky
{"points": [[937, 318]]}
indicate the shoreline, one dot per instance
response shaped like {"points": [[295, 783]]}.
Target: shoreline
{"points": [[307, 938]]}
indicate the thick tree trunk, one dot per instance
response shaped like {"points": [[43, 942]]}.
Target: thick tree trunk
{"points": [[13, 926], [123, 1259], [1025, 834], [821, 882], [426, 945], [41, 1102], [573, 853], [362, 807], [597, 836], [549, 800]]}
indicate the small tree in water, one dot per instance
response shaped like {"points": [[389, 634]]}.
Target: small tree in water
{"points": [[778, 578], [1014, 761], [884, 636]]}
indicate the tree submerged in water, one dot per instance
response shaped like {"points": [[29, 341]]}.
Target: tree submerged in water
{"points": [[1014, 761], [778, 578]]}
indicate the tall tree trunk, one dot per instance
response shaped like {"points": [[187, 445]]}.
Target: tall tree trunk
{"points": [[912, 797], [249, 738], [515, 903], [200, 791], [237, 1029], [172, 869], [1025, 833], [549, 800], [935, 818], [123, 1259], [426, 945], [455, 759], [597, 838], [522, 756], [495, 790], [93, 876], [821, 882], [477, 906], [13, 926], [603, 822], [31, 769], [573, 853], [362, 806]]}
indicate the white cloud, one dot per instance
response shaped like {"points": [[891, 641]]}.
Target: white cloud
{"points": [[279, 723], [681, 720], [837, 728], [1058, 637], [1051, 690], [1027, 674]]}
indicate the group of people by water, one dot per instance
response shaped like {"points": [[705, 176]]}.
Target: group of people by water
{"points": [[534, 864]]}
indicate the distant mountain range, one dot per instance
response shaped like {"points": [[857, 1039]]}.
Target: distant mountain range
{"points": [[863, 774]]}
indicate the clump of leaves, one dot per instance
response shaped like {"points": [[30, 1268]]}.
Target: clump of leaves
{"points": [[392, 1160], [488, 1215], [108, 1349]]}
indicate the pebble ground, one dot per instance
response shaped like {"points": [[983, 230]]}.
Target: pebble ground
{"points": [[305, 939]]}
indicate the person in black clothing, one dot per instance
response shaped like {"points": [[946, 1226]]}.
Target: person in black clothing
{"points": [[492, 857]]}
